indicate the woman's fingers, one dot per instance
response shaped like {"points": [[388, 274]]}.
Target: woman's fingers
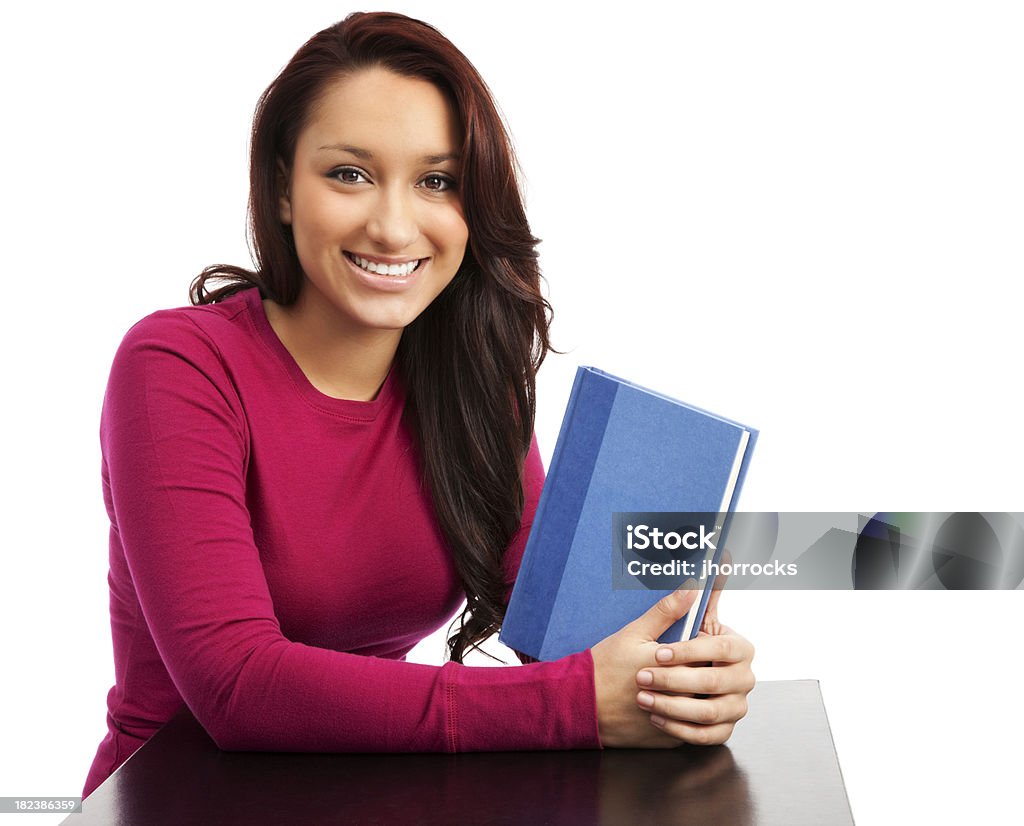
{"points": [[713, 680], [699, 688], [727, 646], [727, 708], [694, 734], [711, 625]]}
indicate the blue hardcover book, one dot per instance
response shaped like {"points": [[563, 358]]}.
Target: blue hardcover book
{"points": [[621, 449]]}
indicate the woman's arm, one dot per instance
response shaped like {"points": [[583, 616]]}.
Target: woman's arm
{"points": [[175, 444]]}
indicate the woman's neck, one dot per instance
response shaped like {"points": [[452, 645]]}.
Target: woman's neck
{"points": [[338, 361]]}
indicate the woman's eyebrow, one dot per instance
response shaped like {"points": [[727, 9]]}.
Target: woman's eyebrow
{"points": [[441, 158], [367, 155]]}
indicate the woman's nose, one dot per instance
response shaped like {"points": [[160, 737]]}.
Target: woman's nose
{"points": [[392, 223]]}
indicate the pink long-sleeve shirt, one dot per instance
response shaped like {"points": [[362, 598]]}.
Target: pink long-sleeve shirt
{"points": [[274, 556]]}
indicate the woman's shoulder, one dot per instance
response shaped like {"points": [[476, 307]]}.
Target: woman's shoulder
{"points": [[193, 330], [177, 370], [188, 345]]}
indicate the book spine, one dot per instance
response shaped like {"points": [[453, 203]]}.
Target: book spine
{"points": [[575, 472], [522, 610], [549, 543]]}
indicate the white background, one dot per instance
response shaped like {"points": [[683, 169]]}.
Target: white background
{"points": [[805, 216]]}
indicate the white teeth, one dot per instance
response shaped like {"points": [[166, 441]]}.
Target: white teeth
{"points": [[385, 269]]}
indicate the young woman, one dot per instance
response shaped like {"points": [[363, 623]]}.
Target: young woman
{"points": [[309, 470]]}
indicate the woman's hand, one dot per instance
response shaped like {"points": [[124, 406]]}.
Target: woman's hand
{"points": [[651, 695], [621, 722], [699, 689]]}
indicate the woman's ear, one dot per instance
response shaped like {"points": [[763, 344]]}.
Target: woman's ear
{"points": [[284, 187]]}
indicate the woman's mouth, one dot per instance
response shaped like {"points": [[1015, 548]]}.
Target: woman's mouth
{"points": [[381, 268]]}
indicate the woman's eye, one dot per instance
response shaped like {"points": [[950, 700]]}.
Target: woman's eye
{"points": [[348, 175], [438, 183]]}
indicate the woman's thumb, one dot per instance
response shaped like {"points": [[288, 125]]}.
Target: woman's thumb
{"points": [[666, 611]]}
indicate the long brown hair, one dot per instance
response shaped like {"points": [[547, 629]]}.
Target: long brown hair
{"points": [[469, 361]]}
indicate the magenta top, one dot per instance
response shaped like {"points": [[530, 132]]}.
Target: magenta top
{"points": [[274, 556]]}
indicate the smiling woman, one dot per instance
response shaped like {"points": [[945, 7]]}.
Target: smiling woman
{"points": [[310, 470], [371, 196]]}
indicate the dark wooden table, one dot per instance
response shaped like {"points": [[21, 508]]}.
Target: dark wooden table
{"points": [[780, 767]]}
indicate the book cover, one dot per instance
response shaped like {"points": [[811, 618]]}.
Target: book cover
{"points": [[621, 449]]}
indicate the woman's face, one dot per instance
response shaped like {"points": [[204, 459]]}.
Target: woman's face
{"points": [[372, 197]]}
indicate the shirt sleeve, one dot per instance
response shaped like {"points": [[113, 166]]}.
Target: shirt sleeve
{"points": [[175, 442]]}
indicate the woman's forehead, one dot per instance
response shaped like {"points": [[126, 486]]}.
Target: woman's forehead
{"points": [[378, 113]]}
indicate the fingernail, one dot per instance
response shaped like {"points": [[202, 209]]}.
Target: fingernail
{"points": [[645, 699], [663, 655], [658, 721], [645, 678]]}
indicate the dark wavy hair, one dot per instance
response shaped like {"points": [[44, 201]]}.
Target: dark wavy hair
{"points": [[469, 361]]}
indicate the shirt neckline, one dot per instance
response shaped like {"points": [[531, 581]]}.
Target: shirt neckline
{"points": [[349, 408]]}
